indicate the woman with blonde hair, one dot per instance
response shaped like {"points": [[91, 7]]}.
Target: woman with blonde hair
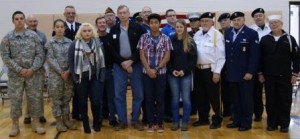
{"points": [[87, 68], [182, 62]]}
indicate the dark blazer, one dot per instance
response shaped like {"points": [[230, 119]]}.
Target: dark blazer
{"points": [[242, 55], [135, 31], [68, 33]]}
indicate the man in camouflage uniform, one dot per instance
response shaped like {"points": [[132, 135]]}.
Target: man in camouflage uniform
{"points": [[22, 53], [32, 23], [60, 90]]}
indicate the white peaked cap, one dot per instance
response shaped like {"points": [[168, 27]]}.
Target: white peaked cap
{"points": [[274, 17]]}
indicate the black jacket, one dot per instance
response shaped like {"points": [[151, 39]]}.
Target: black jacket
{"points": [[134, 33], [277, 57], [180, 60]]}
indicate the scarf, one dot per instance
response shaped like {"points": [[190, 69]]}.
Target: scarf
{"points": [[85, 57]]}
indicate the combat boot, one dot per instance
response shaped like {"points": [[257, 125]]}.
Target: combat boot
{"points": [[15, 128], [60, 127], [36, 126], [69, 124]]}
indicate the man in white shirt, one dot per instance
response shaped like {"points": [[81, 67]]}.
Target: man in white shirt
{"points": [[211, 58], [262, 29]]}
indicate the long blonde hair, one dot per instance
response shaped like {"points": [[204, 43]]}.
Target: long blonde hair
{"points": [[78, 34], [187, 39]]}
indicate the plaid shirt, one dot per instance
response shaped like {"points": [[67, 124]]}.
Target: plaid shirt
{"points": [[163, 45]]}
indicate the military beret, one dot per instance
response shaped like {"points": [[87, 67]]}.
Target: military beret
{"points": [[193, 15], [236, 14], [207, 15], [258, 10], [109, 10], [223, 16]]}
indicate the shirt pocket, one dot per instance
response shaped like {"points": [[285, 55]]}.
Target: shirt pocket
{"points": [[209, 47]]}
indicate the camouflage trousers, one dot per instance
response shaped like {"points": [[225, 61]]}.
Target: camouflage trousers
{"points": [[61, 93], [17, 86], [25, 102]]}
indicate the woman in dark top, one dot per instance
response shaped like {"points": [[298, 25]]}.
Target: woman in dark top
{"points": [[87, 68], [182, 62]]}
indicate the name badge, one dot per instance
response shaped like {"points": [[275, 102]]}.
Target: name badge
{"points": [[114, 36], [227, 41], [244, 49]]}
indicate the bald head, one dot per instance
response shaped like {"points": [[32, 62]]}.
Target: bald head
{"points": [[146, 11], [32, 22]]}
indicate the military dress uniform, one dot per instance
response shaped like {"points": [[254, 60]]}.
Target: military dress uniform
{"points": [[280, 61], [242, 56], [258, 87], [23, 50], [211, 58]]}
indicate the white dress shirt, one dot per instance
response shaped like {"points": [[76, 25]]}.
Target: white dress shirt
{"points": [[261, 32], [207, 52], [69, 25]]}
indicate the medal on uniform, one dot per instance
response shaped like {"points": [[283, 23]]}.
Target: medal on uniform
{"points": [[244, 49]]}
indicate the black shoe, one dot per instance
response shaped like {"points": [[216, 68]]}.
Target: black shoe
{"points": [[27, 120], [86, 126], [270, 128], [97, 126], [168, 119], [77, 117], [244, 128], [232, 125], [43, 119], [193, 112], [257, 119], [120, 126], [113, 123], [201, 122], [284, 130], [214, 126]]}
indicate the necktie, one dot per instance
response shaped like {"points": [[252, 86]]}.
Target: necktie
{"points": [[72, 29]]}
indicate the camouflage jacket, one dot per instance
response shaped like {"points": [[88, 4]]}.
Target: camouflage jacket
{"points": [[22, 50], [57, 55]]}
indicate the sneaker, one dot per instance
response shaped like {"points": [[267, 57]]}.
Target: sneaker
{"points": [[175, 126], [160, 128], [120, 126], [138, 126], [184, 127], [150, 128]]}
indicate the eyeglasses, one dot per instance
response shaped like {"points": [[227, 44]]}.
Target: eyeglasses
{"points": [[171, 15], [193, 19]]}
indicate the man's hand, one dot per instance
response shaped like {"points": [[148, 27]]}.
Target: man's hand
{"points": [[126, 64], [65, 75], [216, 78], [151, 73], [294, 79], [261, 78], [248, 76]]}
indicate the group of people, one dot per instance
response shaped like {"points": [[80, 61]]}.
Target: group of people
{"points": [[162, 65]]}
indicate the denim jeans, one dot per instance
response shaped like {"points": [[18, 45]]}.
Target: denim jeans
{"points": [[154, 97], [109, 91], [181, 86], [94, 90], [120, 81]]}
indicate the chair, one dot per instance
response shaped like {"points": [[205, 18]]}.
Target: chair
{"points": [[3, 84]]}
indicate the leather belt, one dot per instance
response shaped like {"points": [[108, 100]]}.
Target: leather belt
{"points": [[203, 66]]}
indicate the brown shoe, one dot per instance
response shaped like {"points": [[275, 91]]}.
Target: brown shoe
{"points": [[138, 126], [120, 126]]}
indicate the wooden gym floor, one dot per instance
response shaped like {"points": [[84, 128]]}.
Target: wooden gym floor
{"points": [[107, 132]]}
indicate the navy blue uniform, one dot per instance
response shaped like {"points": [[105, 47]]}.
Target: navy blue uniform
{"points": [[242, 56]]}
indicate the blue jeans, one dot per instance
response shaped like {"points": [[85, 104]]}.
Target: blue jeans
{"points": [[154, 97], [94, 90], [120, 81], [181, 86], [110, 92]]}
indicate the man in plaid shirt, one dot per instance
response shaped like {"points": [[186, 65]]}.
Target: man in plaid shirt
{"points": [[155, 50]]}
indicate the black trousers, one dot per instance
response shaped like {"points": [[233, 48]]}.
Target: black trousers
{"points": [[278, 100], [207, 94], [242, 93], [225, 95], [257, 98], [75, 103]]}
